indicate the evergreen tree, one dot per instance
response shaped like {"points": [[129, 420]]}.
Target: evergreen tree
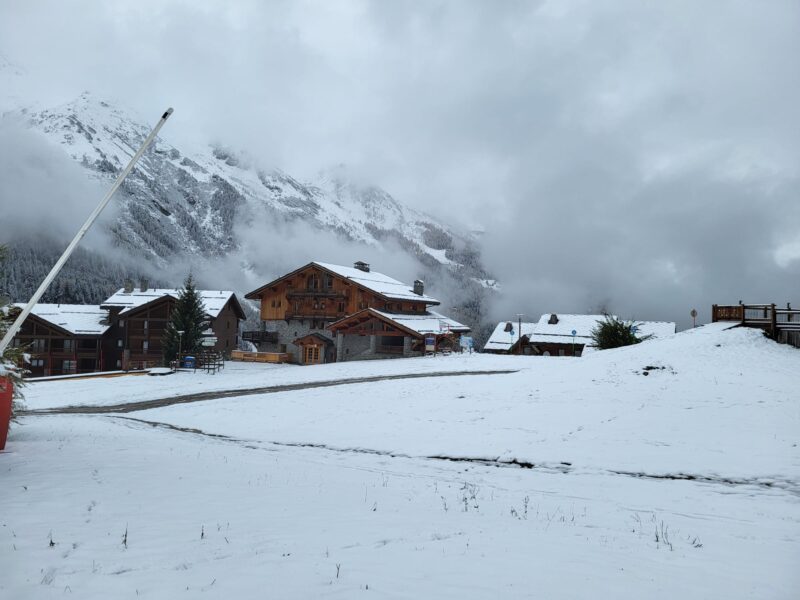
{"points": [[12, 356], [614, 333], [188, 316]]}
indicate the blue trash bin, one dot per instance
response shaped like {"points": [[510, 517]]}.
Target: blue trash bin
{"points": [[188, 362]]}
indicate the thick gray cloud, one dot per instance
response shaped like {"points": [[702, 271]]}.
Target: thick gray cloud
{"points": [[643, 155]]}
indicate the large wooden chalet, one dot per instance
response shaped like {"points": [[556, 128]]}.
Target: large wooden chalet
{"points": [[124, 332], [64, 339], [138, 318], [323, 313]]}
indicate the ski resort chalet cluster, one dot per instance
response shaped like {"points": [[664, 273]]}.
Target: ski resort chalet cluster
{"points": [[318, 313]]}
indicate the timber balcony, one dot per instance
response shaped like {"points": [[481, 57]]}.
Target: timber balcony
{"points": [[260, 336], [782, 324], [317, 293]]}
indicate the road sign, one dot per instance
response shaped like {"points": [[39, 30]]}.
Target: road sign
{"points": [[208, 341], [574, 333]]}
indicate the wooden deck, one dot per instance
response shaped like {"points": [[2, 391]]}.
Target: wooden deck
{"points": [[781, 324], [265, 357]]}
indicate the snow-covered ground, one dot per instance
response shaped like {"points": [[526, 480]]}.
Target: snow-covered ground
{"points": [[355, 489]]}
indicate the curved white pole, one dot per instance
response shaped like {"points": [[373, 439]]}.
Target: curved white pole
{"points": [[81, 232]]}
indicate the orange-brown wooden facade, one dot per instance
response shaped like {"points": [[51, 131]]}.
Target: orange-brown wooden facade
{"points": [[367, 323], [316, 293]]}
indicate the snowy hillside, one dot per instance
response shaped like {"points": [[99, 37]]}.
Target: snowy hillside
{"points": [[669, 469]]}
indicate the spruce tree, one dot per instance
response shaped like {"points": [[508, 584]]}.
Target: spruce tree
{"points": [[188, 316], [11, 360], [614, 333]]}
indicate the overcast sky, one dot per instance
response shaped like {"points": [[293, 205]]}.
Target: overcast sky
{"points": [[644, 155]]}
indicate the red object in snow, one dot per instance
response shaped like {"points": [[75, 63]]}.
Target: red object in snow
{"points": [[6, 392]]}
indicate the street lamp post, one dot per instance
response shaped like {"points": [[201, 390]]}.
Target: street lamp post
{"points": [[180, 342], [519, 332]]}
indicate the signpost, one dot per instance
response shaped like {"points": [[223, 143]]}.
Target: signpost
{"points": [[694, 318], [430, 344], [574, 333]]}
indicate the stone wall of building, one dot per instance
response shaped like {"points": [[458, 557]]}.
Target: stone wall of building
{"points": [[288, 331]]}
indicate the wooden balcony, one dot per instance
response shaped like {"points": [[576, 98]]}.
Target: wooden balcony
{"points": [[782, 324], [260, 336], [315, 293]]}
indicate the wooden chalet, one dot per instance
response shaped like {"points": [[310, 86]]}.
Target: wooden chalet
{"points": [[323, 312], [559, 335], [64, 339], [138, 318]]}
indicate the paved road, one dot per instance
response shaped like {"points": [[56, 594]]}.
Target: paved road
{"points": [[201, 396]]}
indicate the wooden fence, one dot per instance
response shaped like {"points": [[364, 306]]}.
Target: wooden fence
{"points": [[781, 324], [267, 357]]}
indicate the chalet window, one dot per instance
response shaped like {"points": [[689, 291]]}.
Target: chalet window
{"points": [[119, 343], [69, 345], [328, 281], [322, 305], [87, 344], [119, 364], [121, 323], [341, 307], [39, 345], [37, 362], [69, 366], [145, 346], [312, 283], [146, 324]]}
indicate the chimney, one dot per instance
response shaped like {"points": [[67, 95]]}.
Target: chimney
{"points": [[361, 266], [553, 319], [143, 284], [127, 287], [419, 287]]}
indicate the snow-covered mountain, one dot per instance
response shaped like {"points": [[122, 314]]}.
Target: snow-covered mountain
{"points": [[198, 203], [177, 202]]}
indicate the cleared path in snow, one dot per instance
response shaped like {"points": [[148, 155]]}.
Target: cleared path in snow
{"points": [[127, 407]]}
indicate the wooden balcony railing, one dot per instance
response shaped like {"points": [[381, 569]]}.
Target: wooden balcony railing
{"points": [[260, 336], [782, 324]]}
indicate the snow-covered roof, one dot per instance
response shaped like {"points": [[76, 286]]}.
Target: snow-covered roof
{"points": [[658, 329], [502, 340], [78, 319], [427, 322], [213, 301], [377, 282], [561, 331]]}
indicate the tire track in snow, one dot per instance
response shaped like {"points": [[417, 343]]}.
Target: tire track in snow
{"points": [[788, 486], [127, 407]]}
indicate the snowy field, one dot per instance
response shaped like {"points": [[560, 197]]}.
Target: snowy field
{"points": [[570, 478]]}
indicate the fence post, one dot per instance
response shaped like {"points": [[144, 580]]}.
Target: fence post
{"points": [[6, 395], [774, 323]]}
